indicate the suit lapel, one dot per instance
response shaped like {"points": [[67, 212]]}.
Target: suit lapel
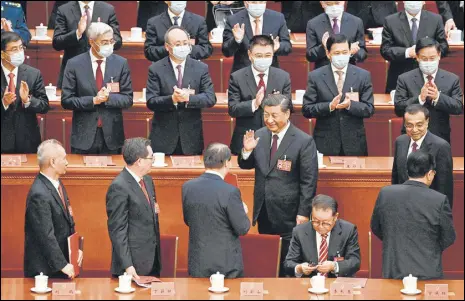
{"points": [[334, 240], [166, 20], [248, 26], [109, 72], [137, 189], [89, 73], [267, 24], [283, 146], [97, 13], [55, 194], [326, 24], [312, 248], [186, 21], [423, 25], [345, 26], [418, 79], [169, 72], [404, 25], [188, 73], [251, 83], [402, 157], [22, 76], [328, 78], [270, 84], [351, 79], [265, 152], [76, 9], [426, 145]]}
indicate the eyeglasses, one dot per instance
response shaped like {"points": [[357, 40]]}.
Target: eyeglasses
{"points": [[150, 158], [107, 42], [16, 49], [412, 126], [324, 224], [261, 56]]}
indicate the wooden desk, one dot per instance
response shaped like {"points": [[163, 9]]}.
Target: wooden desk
{"points": [[218, 125], [44, 57], [190, 289], [355, 190]]}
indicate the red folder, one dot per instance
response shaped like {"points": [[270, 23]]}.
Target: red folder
{"points": [[75, 243], [231, 179]]}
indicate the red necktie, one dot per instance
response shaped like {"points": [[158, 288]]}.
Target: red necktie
{"points": [[274, 147], [99, 84], [323, 250], [62, 196], [414, 147], [261, 83], [11, 84], [87, 12], [144, 189]]}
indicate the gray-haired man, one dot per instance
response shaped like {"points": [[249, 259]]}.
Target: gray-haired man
{"points": [[96, 87]]}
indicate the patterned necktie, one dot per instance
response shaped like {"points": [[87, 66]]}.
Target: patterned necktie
{"points": [[261, 83], [144, 190], [99, 84], [11, 84], [274, 147], [62, 196], [87, 12], [335, 26], [414, 30], [257, 27], [340, 81], [414, 147], [179, 83], [176, 20], [323, 254], [429, 100]]}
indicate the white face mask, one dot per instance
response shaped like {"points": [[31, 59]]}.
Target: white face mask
{"points": [[262, 64], [413, 7], [256, 10], [105, 50], [17, 59], [340, 61], [178, 7], [334, 11], [181, 52], [430, 67]]}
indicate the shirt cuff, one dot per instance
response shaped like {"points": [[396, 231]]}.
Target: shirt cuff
{"points": [[238, 41], [407, 56], [5, 107], [348, 108], [245, 155], [435, 101], [253, 106], [420, 101], [77, 35], [297, 274], [28, 103], [330, 108], [336, 269]]}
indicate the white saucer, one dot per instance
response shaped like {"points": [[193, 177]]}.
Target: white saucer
{"points": [[318, 291], [410, 293], [322, 166], [160, 165], [53, 99], [48, 290], [132, 290], [219, 291]]}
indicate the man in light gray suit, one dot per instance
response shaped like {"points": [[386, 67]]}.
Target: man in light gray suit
{"points": [[216, 217]]}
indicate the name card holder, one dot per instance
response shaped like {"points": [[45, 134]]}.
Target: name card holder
{"points": [[436, 291], [63, 289], [342, 289], [98, 161], [354, 163], [252, 289], [11, 160], [162, 289]]}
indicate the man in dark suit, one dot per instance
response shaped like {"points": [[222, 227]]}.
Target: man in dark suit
{"points": [[133, 214], [254, 20], [23, 96], [401, 33], [326, 245], [14, 20], [216, 217], [298, 13], [414, 223], [147, 10], [334, 21], [286, 172], [71, 23], [416, 120], [49, 217], [97, 86], [339, 96], [436, 89], [372, 13], [178, 88], [176, 14], [249, 85], [452, 15]]}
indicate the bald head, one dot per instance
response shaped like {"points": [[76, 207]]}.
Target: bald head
{"points": [[177, 36]]}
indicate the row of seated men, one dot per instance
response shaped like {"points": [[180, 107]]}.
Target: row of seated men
{"points": [[413, 221], [401, 32]]}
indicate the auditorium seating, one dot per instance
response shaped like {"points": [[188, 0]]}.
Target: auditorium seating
{"points": [[261, 254]]}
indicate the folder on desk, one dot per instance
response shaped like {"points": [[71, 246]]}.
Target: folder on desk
{"points": [[75, 243]]}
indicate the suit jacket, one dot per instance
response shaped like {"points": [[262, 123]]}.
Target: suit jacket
{"points": [[242, 91], [66, 23], [184, 122], [339, 128], [216, 218], [450, 99], [415, 225], [20, 130], [79, 88], [53, 14], [273, 23], [13, 12], [147, 10], [154, 46], [372, 13], [286, 194], [133, 225], [48, 225], [451, 10], [437, 147], [351, 26], [397, 37], [343, 239], [298, 13]]}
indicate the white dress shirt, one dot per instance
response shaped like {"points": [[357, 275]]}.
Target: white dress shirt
{"points": [[260, 24], [83, 12], [336, 79], [6, 72], [214, 173], [339, 18], [257, 80], [181, 15], [94, 59], [175, 69], [136, 177], [419, 142], [425, 77], [55, 183], [245, 155], [409, 18]]}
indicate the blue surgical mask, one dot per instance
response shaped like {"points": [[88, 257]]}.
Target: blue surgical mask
{"points": [[340, 61], [17, 59], [178, 7], [262, 64], [413, 7], [181, 52], [256, 10], [430, 67], [105, 50], [334, 11]]}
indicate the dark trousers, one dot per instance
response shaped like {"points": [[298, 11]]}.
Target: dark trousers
{"points": [[99, 147], [265, 227], [178, 150]]}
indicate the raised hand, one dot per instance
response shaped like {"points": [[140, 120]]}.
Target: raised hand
{"points": [[238, 31], [249, 141]]}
